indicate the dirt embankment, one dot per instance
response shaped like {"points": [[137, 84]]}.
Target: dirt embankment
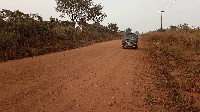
{"points": [[102, 77]]}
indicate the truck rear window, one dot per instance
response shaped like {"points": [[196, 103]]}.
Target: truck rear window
{"points": [[131, 35]]}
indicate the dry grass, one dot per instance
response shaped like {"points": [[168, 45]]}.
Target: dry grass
{"points": [[177, 74]]}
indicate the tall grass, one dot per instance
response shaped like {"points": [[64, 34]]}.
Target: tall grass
{"points": [[176, 54]]}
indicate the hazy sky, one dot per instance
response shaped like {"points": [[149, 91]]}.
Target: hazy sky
{"points": [[139, 15]]}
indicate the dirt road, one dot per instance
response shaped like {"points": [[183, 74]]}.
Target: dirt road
{"points": [[102, 77]]}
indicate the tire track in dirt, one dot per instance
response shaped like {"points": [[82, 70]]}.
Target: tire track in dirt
{"points": [[102, 77]]}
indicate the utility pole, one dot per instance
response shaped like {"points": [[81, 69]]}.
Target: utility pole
{"points": [[161, 20]]}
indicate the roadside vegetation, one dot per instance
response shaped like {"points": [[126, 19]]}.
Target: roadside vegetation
{"points": [[176, 54], [26, 35]]}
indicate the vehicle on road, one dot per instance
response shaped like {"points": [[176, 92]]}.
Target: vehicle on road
{"points": [[130, 40]]}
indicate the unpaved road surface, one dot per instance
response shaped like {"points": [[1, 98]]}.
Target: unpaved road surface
{"points": [[102, 77]]}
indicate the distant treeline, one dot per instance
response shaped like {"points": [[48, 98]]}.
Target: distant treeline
{"points": [[26, 35]]}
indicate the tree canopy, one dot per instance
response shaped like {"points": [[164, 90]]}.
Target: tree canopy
{"points": [[137, 32], [81, 10], [128, 30], [113, 27]]}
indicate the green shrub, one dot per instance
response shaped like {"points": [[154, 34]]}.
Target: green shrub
{"points": [[9, 41], [25, 35]]}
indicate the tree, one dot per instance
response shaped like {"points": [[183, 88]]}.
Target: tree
{"points": [[173, 27], [81, 10], [184, 27], [113, 27], [128, 30], [26, 25], [137, 32]]}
